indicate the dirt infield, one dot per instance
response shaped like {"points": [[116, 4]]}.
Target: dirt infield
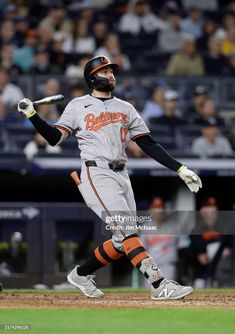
{"points": [[113, 300]]}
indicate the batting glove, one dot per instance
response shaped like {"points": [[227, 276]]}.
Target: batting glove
{"points": [[192, 180], [25, 106]]}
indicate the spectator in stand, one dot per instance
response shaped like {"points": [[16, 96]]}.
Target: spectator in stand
{"points": [[115, 10], [231, 7], [228, 22], [76, 90], [21, 29], [43, 65], [56, 19], [5, 116], [3, 5], [100, 29], [7, 33], [38, 10], [170, 39], [138, 18], [50, 87], [87, 10], [100, 5], [6, 59], [231, 135], [154, 105], [111, 49], [211, 142], [9, 12], [82, 42], [39, 144], [58, 55], [74, 71], [230, 69], [10, 94], [26, 52], [215, 62], [193, 23], [166, 8], [199, 97], [22, 7], [228, 44], [187, 61], [209, 28], [171, 116], [209, 237], [208, 114], [45, 37]]}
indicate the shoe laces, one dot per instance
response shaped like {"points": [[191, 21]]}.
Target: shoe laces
{"points": [[171, 281], [91, 278]]}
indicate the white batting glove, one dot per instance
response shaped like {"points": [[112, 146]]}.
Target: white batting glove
{"points": [[25, 106], [192, 180]]}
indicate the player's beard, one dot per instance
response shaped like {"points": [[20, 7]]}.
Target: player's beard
{"points": [[103, 84], [108, 88]]}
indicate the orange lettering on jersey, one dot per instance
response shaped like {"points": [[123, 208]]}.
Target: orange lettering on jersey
{"points": [[95, 123], [89, 119]]}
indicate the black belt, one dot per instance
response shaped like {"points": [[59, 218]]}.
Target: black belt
{"points": [[115, 165]]}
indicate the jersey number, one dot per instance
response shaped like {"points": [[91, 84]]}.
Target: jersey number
{"points": [[123, 134]]}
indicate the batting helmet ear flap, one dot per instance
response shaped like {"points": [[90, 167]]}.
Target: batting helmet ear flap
{"points": [[90, 80]]}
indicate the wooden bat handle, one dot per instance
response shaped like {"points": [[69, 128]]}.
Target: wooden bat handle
{"points": [[75, 177]]}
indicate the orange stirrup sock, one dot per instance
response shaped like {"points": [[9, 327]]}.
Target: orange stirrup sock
{"points": [[102, 255], [141, 259], [107, 253], [134, 249]]}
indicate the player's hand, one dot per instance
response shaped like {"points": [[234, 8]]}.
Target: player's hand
{"points": [[25, 106], [192, 180]]}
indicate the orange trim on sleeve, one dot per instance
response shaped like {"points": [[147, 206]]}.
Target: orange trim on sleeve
{"points": [[140, 135], [62, 128]]}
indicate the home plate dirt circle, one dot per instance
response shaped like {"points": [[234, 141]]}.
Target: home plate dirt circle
{"points": [[198, 299]]}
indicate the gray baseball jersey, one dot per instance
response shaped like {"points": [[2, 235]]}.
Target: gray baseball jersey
{"points": [[103, 128]]}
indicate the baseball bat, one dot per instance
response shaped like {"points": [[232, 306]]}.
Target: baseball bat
{"points": [[47, 100]]}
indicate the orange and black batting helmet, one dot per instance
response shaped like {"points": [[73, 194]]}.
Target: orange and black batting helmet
{"points": [[92, 66]]}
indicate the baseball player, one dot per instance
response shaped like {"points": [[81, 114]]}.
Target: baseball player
{"points": [[103, 125]]}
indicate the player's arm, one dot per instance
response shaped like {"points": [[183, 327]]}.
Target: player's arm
{"points": [[52, 135], [158, 153]]}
